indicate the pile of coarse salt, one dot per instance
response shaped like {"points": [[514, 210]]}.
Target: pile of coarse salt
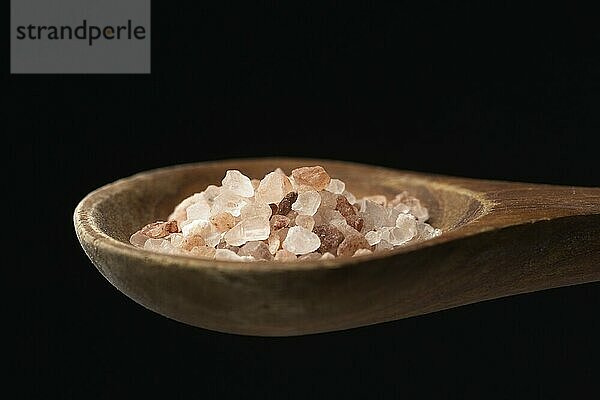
{"points": [[305, 216]]}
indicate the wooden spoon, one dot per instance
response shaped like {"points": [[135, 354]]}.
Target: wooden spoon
{"points": [[499, 239]]}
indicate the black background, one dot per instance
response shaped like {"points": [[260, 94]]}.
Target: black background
{"points": [[505, 92]]}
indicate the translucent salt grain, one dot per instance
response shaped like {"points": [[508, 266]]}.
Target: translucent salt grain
{"points": [[305, 221], [230, 202], [373, 237], [179, 214], [211, 192], [238, 183], [407, 222], [197, 227], [228, 255], [397, 236], [160, 245], [327, 256], [307, 203], [213, 239], [349, 196], [255, 209], [301, 241], [205, 252], [255, 228], [176, 239], [138, 239], [258, 250], [284, 255], [199, 209], [273, 243], [315, 177], [336, 186], [273, 187], [362, 252], [383, 246]]}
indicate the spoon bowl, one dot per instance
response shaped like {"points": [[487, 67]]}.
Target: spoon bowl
{"points": [[499, 239]]}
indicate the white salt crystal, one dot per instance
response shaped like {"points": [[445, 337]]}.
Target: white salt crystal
{"points": [[176, 239], [327, 256], [305, 221], [213, 239], [255, 228], [197, 227], [375, 215], [407, 222], [373, 237], [307, 203], [273, 243], [383, 246], [255, 209], [238, 183], [179, 214], [349, 196], [273, 187], [160, 245], [198, 210], [211, 192], [228, 255], [301, 241], [397, 236], [336, 186], [229, 202]]}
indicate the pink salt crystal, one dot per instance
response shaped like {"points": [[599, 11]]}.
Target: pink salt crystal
{"points": [[278, 222], [258, 250], [273, 243], [330, 237], [160, 245], [273, 187], [203, 251], [301, 241], [285, 205], [327, 256], [310, 257], [138, 239], [362, 252], [223, 221], [307, 203], [351, 244], [160, 229], [328, 200], [238, 183], [284, 255], [192, 241], [315, 177], [349, 213], [255, 228], [305, 221]]}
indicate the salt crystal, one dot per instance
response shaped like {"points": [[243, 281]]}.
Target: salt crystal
{"points": [[327, 256], [305, 221], [307, 203], [273, 243], [211, 192], [285, 205], [351, 244], [212, 239], [362, 252], [383, 246], [159, 229], [349, 196], [255, 183], [379, 199], [180, 214], [273, 187], [375, 215], [176, 239], [197, 227], [198, 211], [373, 237], [160, 245], [205, 252], [310, 257], [336, 186], [407, 222], [301, 241], [416, 209], [138, 239], [255, 228], [315, 177], [278, 222], [229, 202], [223, 221], [284, 255], [258, 250], [330, 237], [328, 200], [255, 209], [397, 236], [228, 255], [238, 183]]}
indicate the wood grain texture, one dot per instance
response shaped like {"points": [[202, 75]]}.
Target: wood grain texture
{"points": [[500, 239]]}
